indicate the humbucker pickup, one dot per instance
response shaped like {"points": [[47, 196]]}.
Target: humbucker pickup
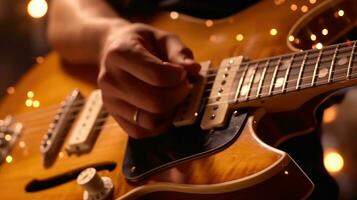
{"points": [[85, 132], [187, 113], [52, 141]]}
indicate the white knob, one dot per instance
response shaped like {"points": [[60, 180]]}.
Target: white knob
{"points": [[96, 187]]}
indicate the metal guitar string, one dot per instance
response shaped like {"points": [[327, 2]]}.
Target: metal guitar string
{"points": [[78, 103]]}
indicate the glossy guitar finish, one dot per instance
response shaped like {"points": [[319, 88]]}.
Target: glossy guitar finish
{"points": [[247, 169]]}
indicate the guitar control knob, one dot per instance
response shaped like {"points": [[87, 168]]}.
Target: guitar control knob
{"points": [[96, 187]]}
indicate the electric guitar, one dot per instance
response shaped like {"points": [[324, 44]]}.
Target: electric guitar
{"points": [[222, 144]]}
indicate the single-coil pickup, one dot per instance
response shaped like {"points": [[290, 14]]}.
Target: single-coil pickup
{"points": [[216, 109], [188, 112], [85, 130], [53, 140]]}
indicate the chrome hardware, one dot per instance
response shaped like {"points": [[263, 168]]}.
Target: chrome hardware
{"points": [[10, 131], [96, 187], [58, 129]]}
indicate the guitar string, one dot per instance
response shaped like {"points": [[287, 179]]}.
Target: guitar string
{"points": [[74, 109], [341, 50], [341, 77], [292, 67], [287, 82]]}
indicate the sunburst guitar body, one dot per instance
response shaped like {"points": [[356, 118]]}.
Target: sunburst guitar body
{"points": [[231, 154]]}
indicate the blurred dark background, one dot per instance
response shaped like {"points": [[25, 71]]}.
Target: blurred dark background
{"points": [[23, 39]]}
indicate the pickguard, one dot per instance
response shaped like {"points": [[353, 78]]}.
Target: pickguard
{"points": [[146, 157]]}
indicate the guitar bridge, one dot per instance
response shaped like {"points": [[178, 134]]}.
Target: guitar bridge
{"points": [[52, 141]]}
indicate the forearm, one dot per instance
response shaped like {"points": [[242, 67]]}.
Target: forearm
{"points": [[77, 28]]}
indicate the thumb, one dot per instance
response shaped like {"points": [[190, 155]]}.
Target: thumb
{"points": [[180, 54]]}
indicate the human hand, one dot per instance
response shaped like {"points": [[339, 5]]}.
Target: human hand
{"points": [[143, 77]]}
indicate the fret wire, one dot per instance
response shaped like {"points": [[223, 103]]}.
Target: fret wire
{"points": [[341, 78], [287, 73], [301, 70], [262, 78], [350, 61], [274, 77], [333, 61], [251, 80], [315, 69], [241, 82]]}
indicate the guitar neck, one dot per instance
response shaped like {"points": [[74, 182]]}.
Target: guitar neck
{"points": [[293, 72]]}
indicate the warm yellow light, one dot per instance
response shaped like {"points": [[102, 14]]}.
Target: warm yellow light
{"points": [[313, 37], [28, 102], [304, 9], [333, 161], [209, 23], [319, 46], [291, 38], [8, 137], [10, 90], [22, 144], [30, 94], [341, 13], [239, 37], [293, 7], [174, 15], [36, 104], [8, 159], [279, 2], [273, 31], [324, 31], [312, 1], [37, 8]]}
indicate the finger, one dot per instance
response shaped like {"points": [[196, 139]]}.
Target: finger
{"points": [[132, 57], [144, 96], [138, 132], [119, 108], [178, 53]]}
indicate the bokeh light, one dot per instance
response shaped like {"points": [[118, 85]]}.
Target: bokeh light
{"points": [[37, 8]]}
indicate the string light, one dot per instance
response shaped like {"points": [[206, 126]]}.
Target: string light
{"points": [[291, 38], [293, 7], [209, 23], [313, 37], [312, 1], [30, 94], [174, 15], [239, 37], [324, 31], [10, 90], [36, 104], [333, 161], [28, 102], [319, 46], [37, 8], [304, 8], [8, 159], [273, 32], [341, 13]]}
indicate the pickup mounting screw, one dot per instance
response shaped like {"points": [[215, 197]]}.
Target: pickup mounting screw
{"points": [[235, 113], [132, 169]]}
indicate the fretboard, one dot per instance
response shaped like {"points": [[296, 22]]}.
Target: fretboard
{"points": [[296, 71]]}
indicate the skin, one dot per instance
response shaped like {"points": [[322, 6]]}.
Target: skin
{"points": [[141, 68]]}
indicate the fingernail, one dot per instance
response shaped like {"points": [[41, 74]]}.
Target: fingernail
{"points": [[189, 60]]}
